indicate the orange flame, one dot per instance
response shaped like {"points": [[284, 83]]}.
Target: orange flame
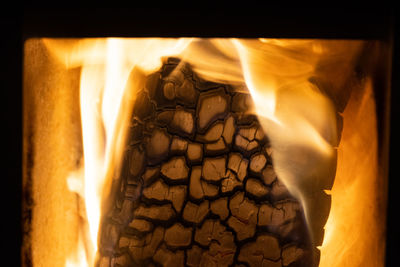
{"points": [[354, 235], [298, 118], [106, 65]]}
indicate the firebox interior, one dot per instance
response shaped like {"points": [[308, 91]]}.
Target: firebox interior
{"points": [[193, 152]]}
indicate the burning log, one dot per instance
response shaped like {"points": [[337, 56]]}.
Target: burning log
{"points": [[212, 174], [198, 186]]}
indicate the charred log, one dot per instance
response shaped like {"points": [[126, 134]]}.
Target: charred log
{"points": [[198, 186]]}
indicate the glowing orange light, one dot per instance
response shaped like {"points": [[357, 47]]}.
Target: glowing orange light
{"points": [[298, 118]]}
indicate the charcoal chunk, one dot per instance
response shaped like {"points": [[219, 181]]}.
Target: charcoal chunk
{"points": [[268, 175], [260, 135], [178, 146], [199, 188], [194, 152], [221, 252], [244, 144], [238, 164], [214, 169], [194, 256], [291, 254], [211, 106], [158, 146], [209, 190], [203, 235], [213, 230], [216, 148], [145, 248], [213, 134], [248, 133], [165, 117], [143, 107], [175, 169], [150, 174], [265, 248], [141, 225], [230, 183], [155, 212], [241, 102], [195, 187], [183, 121], [278, 215], [195, 213], [186, 93], [122, 260], [160, 191], [168, 258], [169, 91], [220, 207], [229, 130], [257, 163], [244, 216], [178, 236], [265, 215], [279, 191], [137, 161], [256, 188], [132, 191]]}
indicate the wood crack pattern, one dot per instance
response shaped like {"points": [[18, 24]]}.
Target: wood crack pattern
{"points": [[198, 186]]}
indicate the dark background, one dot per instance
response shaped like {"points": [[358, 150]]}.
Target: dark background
{"points": [[20, 23]]}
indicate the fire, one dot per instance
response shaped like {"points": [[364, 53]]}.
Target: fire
{"points": [[300, 120], [105, 111], [301, 124], [346, 241]]}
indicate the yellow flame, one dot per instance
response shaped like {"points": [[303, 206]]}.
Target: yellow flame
{"points": [[349, 241], [261, 88], [297, 117], [79, 259], [105, 67]]}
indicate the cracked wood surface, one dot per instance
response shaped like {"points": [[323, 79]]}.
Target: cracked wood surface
{"points": [[198, 187]]}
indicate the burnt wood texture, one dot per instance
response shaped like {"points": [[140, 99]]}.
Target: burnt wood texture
{"points": [[198, 186]]}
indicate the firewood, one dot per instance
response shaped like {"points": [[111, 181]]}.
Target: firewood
{"points": [[209, 195]]}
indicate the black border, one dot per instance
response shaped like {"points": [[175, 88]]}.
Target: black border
{"points": [[393, 218], [18, 25], [11, 133], [245, 22]]}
